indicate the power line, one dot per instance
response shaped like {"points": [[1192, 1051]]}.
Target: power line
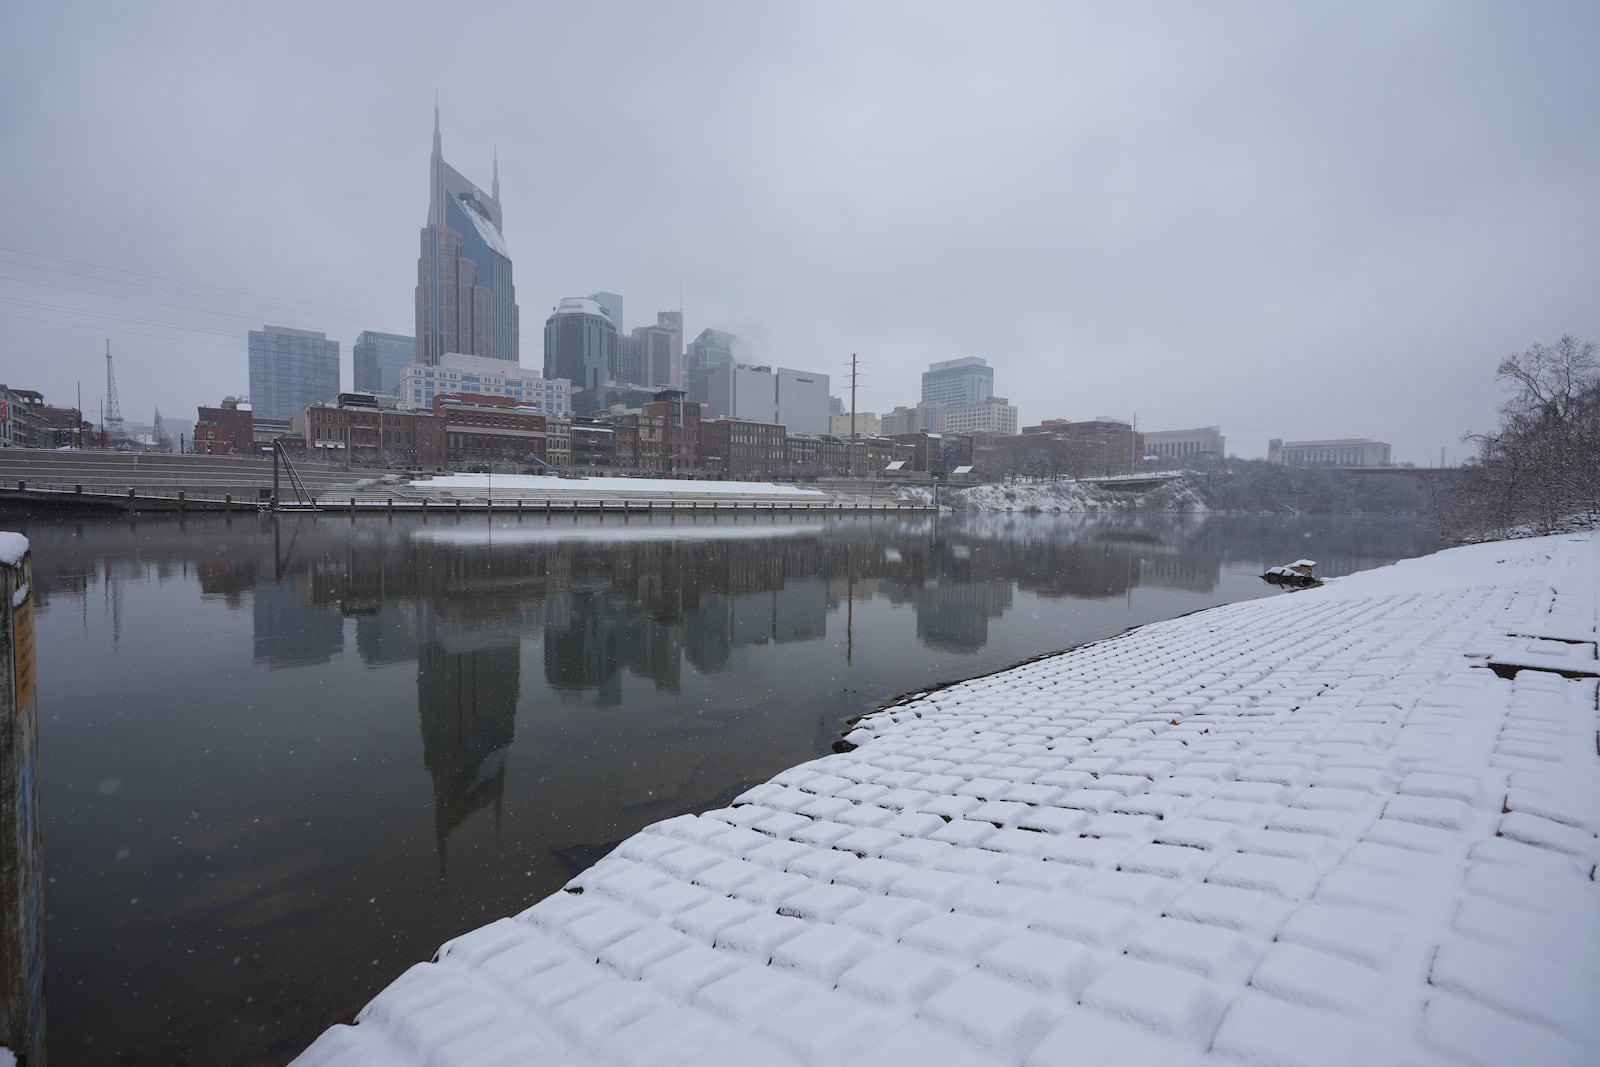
{"points": [[114, 317], [320, 308], [40, 209], [241, 315], [100, 328]]}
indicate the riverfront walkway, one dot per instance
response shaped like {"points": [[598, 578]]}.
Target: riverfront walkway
{"points": [[1352, 825]]}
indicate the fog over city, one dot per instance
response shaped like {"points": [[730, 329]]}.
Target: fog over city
{"points": [[1296, 221]]}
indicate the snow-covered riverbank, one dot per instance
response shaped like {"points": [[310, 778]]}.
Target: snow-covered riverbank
{"points": [[1060, 497], [1314, 829]]}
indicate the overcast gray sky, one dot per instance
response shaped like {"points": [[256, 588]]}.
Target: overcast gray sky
{"points": [[1291, 220]]}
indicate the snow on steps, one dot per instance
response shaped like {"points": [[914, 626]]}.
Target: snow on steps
{"points": [[1303, 830]]}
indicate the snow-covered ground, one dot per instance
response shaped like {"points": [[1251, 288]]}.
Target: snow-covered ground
{"points": [[542, 485], [1312, 829], [1058, 497]]}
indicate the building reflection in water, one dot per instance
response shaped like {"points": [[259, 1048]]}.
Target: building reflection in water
{"points": [[290, 630], [467, 706], [461, 601]]}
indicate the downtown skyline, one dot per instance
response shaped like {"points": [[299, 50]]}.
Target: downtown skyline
{"points": [[1189, 220]]}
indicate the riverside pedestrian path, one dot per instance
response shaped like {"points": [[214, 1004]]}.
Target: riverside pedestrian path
{"points": [[1350, 825]]}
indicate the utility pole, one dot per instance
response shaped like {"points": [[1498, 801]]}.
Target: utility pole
{"points": [[854, 365]]}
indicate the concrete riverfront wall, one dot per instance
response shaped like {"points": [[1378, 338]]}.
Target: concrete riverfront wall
{"points": [[21, 865]]}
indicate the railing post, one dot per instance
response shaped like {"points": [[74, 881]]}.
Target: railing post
{"points": [[21, 867]]}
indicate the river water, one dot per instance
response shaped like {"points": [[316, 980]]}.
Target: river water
{"points": [[282, 760]]}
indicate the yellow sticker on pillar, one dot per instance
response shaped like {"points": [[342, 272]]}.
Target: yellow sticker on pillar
{"points": [[22, 647]]}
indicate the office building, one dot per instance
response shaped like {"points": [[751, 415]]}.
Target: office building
{"points": [[290, 369], [867, 425], [612, 302], [904, 420], [802, 401], [465, 300], [794, 399], [995, 416], [1185, 445], [652, 356], [958, 382], [379, 360], [673, 321], [1343, 452], [630, 357], [580, 345], [735, 391], [712, 348], [457, 374]]}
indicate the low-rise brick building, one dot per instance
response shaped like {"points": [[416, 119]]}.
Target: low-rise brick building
{"points": [[356, 430], [738, 448], [936, 453], [227, 430], [486, 430]]}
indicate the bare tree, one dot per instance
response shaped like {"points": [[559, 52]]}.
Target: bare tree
{"points": [[1543, 463], [1549, 380]]}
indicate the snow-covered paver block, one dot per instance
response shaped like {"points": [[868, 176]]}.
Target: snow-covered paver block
{"points": [[1314, 829]]}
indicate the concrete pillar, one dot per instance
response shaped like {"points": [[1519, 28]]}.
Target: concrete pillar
{"points": [[21, 866]]}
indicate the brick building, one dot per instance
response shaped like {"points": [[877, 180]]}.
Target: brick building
{"points": [[1059, 447], [356, 430], [491, 429], [936, 453], [26, 421], [228, 430]]}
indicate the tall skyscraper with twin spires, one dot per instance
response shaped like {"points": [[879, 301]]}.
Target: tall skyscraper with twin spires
{"points": [[465, 299]]}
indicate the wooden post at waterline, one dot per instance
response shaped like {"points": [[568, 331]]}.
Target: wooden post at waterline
{"points": [[21, 866]]}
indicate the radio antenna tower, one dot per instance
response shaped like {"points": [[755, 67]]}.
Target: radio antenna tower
{"points": [[113, 415]]}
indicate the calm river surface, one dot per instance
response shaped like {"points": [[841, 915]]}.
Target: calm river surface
{"points": [[282, 760]]}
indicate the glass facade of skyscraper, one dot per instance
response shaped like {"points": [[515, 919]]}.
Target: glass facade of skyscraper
{"points": [[958, 382], [465, 301], [380, 359], [290, 369]]}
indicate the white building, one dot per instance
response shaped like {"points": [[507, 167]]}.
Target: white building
{"points": [[460, 373], [995, 415], [1185, 444], [1343, 452], [795, 399], [802, 401], [867, 425]]}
